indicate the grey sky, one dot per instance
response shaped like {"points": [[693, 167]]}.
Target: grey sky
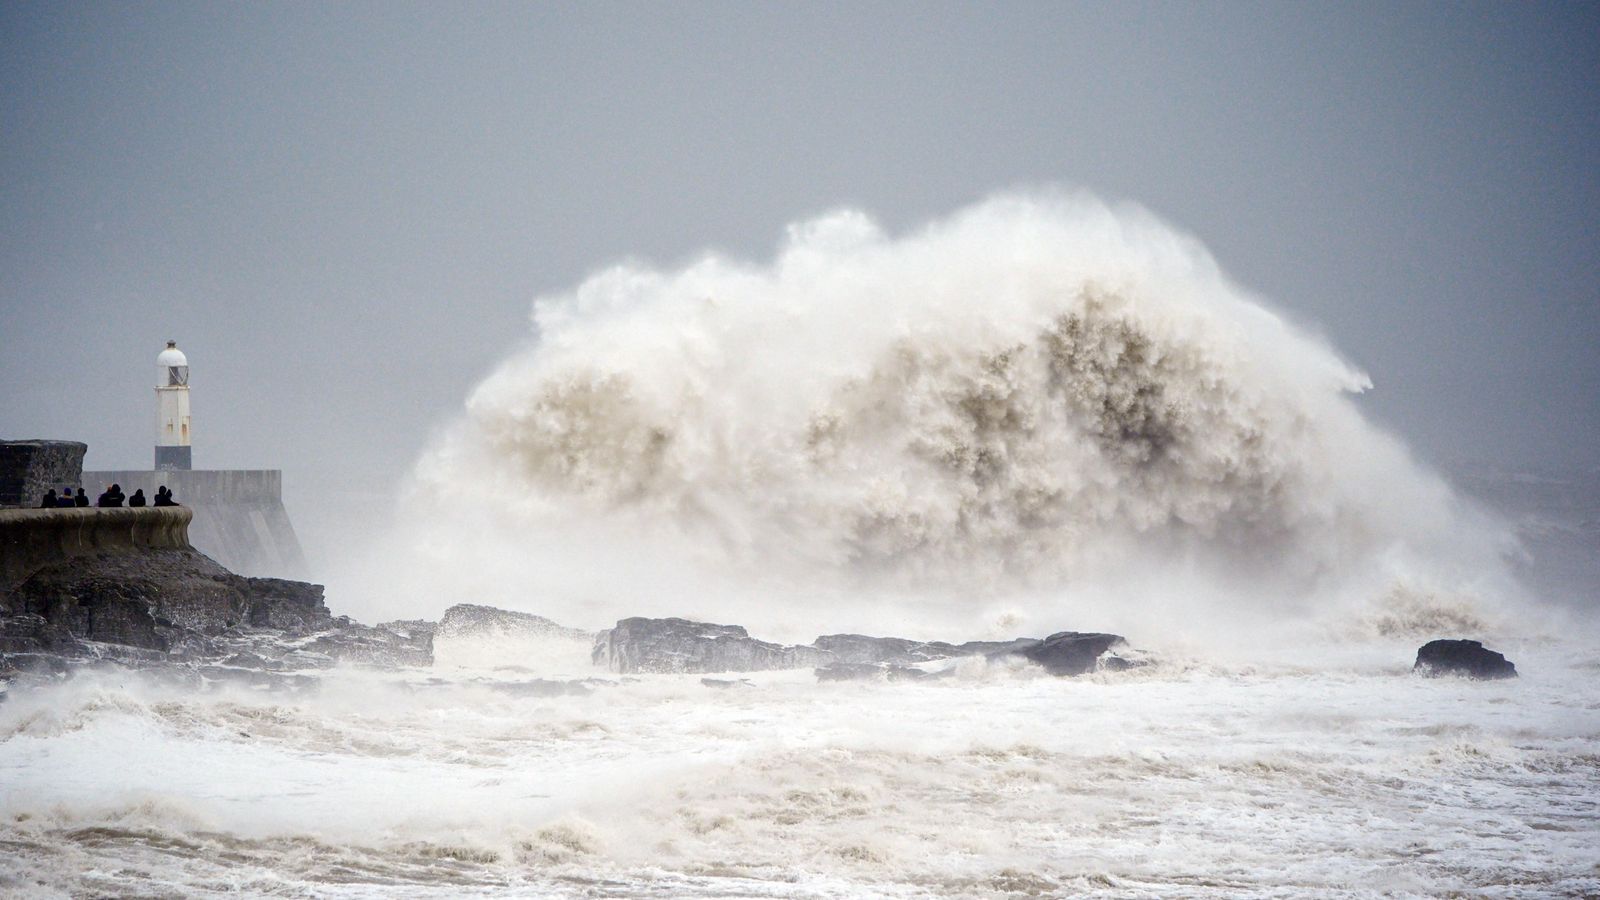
{"points": [[342, 211]]}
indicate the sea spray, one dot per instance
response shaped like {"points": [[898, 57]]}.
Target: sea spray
{"points": [[1039, 406]]}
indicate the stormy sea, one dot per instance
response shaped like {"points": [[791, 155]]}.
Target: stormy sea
{"points": [[1039, 415]]}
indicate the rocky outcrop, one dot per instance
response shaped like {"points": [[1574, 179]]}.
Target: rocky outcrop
{"points": [[861, 649], [468, 620], [1068, 652], [679, 645], [382, 646], [145, 600], [1064, 653], [152, 605], [483, 637], [1461, 657]]}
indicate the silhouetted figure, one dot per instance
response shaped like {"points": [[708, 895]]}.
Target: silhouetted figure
{"points": [[164, 497], [65, 498], [137, 499], [81, 499], [49, 501], [112, 497]]}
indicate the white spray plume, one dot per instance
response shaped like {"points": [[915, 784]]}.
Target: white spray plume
{"points": [[1041, 407]]}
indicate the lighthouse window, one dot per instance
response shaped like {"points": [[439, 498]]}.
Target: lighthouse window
{"points": [[186, 431], [177, 375]]}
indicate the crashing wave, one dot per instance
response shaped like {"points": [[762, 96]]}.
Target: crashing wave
{"points": [[1035, 391]]}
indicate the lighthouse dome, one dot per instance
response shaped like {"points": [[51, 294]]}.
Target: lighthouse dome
{"points": [[172, 367], [172, 356]]}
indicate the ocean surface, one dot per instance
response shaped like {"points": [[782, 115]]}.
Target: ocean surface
{"points": [[1339, 775]]}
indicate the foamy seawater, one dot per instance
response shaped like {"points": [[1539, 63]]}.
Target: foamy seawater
{"points": [[1353, 778]]}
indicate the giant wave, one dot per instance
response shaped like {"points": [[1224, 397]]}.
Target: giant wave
{"points": [[1040, 396]]}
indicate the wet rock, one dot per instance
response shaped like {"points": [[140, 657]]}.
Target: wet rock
{"points": [[679, 645], [351, 642], [874, 672], [33, 633], [413, 629], [859, 648], [485, 637], [1067, 652], [290, 606], [147, 599], [1461, 657], [469, 620]]}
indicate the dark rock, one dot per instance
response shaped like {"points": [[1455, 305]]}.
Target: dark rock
{"points": [[1460, 657], [33, 633], [858, 648], [137, 599], [1063, 653], [290, 606], [156, 605], [679, 645], [1066, 652], [351, 642]]}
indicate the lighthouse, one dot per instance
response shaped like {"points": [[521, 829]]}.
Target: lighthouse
{"points": [[172, 409]]}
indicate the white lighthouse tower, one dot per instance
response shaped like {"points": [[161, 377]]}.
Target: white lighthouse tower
{"points": [[172, 409]]}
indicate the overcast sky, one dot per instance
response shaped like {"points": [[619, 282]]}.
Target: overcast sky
{"points": [[342, 211]]}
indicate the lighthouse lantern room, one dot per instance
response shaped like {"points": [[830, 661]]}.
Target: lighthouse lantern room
{"points": [[172, 409]]}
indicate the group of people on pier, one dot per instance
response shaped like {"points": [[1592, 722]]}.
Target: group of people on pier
{"points": [[112, 497]]}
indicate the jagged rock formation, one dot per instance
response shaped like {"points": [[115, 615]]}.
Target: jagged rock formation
{"points": [[1069, 652], [167, 605], [468, 620], [485, 637], [679, 645], [123, 585], [154, 599], [1459, 657]]}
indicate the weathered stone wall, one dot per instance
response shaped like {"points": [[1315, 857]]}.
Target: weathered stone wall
{"points": [[239, 517], [31, 539], [29, 468]]}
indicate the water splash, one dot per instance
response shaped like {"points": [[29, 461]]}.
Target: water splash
{"points": [[1035, 396]]}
